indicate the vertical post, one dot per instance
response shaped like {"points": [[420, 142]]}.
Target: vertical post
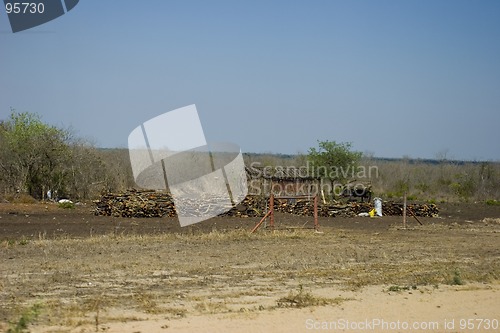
{"points": [[316, 212], [271, 210], [404, 210]]}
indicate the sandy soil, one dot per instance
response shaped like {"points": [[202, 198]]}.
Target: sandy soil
{"points": [[85, 273], [373, 309]]}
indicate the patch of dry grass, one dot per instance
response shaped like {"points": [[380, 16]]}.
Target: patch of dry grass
{"points": [[83, 281], [302, 299]]}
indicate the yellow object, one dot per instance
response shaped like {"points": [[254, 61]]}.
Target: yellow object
{"points": [[372, 212]]}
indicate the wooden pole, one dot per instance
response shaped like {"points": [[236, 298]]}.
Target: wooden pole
{"points": [[414, 216], [404, 210], [316, 226]]}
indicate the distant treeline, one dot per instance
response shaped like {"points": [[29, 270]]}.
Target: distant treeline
{"points": [[290, 158], [434, 180], [36, 158]]}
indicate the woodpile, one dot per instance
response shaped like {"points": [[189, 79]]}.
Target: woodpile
{"points": [[145, 203], [303, 207], [135, 203], [151, 203], [251, 206], [396, 208], [345, 210]]}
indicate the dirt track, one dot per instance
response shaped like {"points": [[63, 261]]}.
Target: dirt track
{"points": [[33, 221], [150, 275]]}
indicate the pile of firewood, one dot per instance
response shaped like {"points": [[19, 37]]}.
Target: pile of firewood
{"points": [[143, 203], [134, 203], [396, 208], [345, 210], [301, 207], [306, 208], [251, 206], [150, 203]]}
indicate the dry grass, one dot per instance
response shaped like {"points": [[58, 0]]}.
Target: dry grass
{"points": [[20, 198], [443, 181], [302, 299], [84, 281]]}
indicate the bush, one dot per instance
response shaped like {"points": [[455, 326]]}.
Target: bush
{"points": [[302, 299], [27, 317], [443, 181], [464, 186], [67, 205], [21, 198], [457, 279], [37, 157]]}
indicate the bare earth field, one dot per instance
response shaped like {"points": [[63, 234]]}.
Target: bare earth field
{"points": [[65, 270]]}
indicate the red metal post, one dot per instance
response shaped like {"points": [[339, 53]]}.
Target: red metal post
{"points": [[258, 224], [271, 209]]}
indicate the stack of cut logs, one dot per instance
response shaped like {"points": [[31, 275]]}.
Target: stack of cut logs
{"points": [[306, 207], [135, 203], [396, 208], [142, 203], [150, 203]]}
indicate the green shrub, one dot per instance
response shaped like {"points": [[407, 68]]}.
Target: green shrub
{"points": [[423, 187], [492, 202], [66, 205], [464, 186], [396, 288], [457, 279], [402, 186], [26, 318]]}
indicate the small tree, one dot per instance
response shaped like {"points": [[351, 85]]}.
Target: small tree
{"points": [[32, 153], [333, 161], [36, 157]]}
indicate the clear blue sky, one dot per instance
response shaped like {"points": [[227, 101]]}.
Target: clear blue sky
{"points": [[395, 78]]}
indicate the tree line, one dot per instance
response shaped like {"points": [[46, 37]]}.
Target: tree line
{"points": [[36, 158]]}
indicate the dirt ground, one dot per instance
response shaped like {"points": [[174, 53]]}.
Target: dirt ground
{"points": [[64, 270], [48, 221]]}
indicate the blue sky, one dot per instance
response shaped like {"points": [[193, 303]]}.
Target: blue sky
{"points": [[395, 78]]}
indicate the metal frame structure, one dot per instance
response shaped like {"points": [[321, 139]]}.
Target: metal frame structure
{"points": [[270, 212]]}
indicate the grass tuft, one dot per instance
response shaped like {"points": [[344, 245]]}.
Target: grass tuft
{"points": [[397, 288], [302, 299], [27, 317]]}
